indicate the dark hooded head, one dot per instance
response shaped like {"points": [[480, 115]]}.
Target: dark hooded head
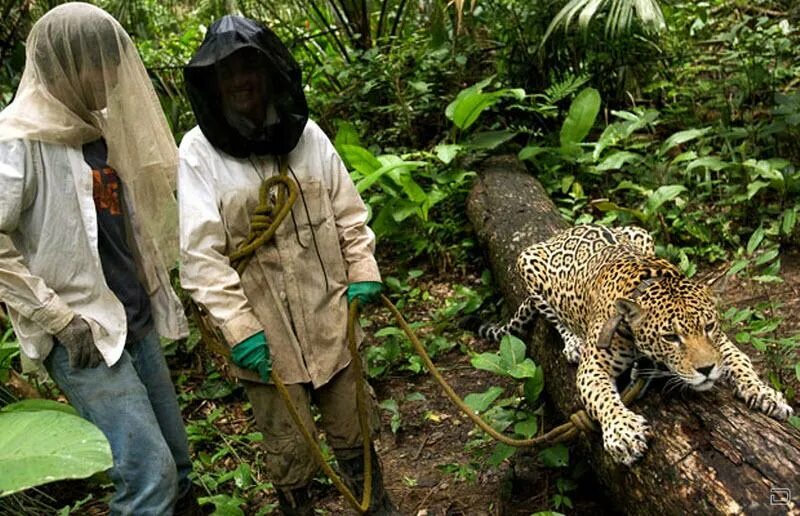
{"points": [[262, 111]]}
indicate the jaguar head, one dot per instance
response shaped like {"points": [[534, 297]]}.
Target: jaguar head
{"points": [[675, 322]]}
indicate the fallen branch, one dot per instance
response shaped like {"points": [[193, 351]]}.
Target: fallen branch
{"points": [[709, 453]]}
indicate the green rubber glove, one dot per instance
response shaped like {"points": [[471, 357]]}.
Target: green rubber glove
{"points": [[365, 291], [253, 354]]}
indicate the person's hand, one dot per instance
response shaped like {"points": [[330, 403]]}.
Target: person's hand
{"points": [[77, 338], [365, 291], [253, 354]]}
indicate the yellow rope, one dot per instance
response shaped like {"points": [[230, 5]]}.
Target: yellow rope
{"points": [[579, 421], [266, 218]]}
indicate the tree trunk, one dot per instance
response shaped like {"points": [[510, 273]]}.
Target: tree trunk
{"points": [[709, 453]]}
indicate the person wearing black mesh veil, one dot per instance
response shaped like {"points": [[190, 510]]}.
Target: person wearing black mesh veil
{"points": [[88, 225], [289, 305]]}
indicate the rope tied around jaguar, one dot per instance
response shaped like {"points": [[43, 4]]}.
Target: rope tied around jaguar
{"points": [[267, 216]]}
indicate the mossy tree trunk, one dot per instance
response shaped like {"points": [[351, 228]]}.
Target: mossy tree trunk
{"points": [[709, 453]]}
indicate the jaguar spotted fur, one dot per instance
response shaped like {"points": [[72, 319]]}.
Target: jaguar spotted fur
{"points": [[613, 301]]}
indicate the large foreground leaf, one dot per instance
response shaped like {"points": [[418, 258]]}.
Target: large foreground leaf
{"points": [[48, 445]]}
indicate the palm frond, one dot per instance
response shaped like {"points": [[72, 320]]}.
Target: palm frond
{"points": [[619, 15]]}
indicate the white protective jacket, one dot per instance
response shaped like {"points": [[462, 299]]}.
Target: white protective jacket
{"points": [[294, 287], [49, 264]]}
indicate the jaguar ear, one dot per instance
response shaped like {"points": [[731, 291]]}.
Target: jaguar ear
{"points": [[628, 309]]}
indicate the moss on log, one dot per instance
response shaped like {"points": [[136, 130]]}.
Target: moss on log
{"points": [[709, 453]]}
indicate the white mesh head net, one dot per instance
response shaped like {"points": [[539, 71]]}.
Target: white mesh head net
{"points": [[83, 79]]}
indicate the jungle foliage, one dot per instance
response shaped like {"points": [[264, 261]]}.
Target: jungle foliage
{"points": [[681, 117]]}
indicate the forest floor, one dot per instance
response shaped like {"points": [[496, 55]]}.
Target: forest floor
{"points": [[434, 462]]}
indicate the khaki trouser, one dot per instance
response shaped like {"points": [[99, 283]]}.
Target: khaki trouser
{"points": [[290, 463]]}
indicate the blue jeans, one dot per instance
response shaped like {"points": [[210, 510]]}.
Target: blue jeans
{"points": [[134, 405]]}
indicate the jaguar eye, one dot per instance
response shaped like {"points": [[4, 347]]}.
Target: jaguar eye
{"points": [[710, 327], [672, 338]]}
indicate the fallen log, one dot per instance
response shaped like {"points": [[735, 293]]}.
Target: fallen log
{"points": [[709, 453]]}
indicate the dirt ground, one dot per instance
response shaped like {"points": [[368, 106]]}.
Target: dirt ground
{"points": [[428, 467]]}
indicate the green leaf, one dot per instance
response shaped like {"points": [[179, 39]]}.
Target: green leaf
{"points": [[512, 351], [755, 240], [797, 371], [767, 257], [534, 386], [471, 102], [224, 505], [754, 187], [40, 447], [488, 362], [481, 401], [531, 152], [488, 140], [661, 195], [370, 178], [501, 452], [709, 162], [359, 158], [682, 137], [788, 221], [555, 457], [737, 266], [580, 118], [525, 369], [795, 420], [527, 427], [617, 160], [346, 135], [35, 405], [447, 152]]}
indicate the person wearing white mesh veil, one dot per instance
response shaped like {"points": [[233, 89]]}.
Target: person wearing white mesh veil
{"points": [[87, 227]]}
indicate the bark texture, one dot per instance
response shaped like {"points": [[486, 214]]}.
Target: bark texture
{"points": [[709, 453]]}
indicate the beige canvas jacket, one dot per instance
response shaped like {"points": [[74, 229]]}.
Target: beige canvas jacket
{"points": [[49, 264], [295, 286]]}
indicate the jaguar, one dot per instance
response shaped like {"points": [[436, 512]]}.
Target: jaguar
{"points": [[613, 301]]}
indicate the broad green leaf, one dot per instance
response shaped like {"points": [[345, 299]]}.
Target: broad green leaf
{"points": [[531, 152], [709, 162], [512, 351], [534, 386], [797, 371], [480, 401], [359, 158], [34, 405], [346, 135], [737, 266], [370, 178], [471, 102], [501, 452], [555, 457], [660, 196], [767, 256], [683, 137], [788, 221], [48, 445], [447, 152], [580, 118], [606, 205], [755, 240], [795, 420], [224, 505], [527, 427], [488, 140], [617, 160], [754, 187], [525, 369], [488, 362]]}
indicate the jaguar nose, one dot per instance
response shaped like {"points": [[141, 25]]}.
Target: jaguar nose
{"points": [[705, 370]]}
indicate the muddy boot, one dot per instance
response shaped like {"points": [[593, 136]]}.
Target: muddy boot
{"points": [[295, 502], [351, 466]]}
